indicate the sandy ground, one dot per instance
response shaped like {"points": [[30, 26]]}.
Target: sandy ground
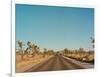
{"points": [[28, 63]]}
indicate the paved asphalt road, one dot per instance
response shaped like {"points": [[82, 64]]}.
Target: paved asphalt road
{"points": [[55, 63]]}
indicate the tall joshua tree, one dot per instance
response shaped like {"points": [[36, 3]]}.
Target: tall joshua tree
{"points": [[33, 47], [20, 44]]}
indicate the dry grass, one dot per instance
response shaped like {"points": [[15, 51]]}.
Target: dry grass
{"points": [[86, 56], [28, 60]]}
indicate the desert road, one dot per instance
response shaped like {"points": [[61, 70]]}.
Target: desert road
{"points": [[55, 63]]}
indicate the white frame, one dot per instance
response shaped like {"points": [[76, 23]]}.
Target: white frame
{"points": [[70, 3]]}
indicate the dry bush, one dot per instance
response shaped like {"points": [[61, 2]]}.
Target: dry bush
{"points": [[81, 55]]}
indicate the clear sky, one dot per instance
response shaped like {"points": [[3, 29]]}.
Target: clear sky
{"points": [[55, 27]]}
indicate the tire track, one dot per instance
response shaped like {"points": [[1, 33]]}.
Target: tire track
{"points": [[59, 64]]}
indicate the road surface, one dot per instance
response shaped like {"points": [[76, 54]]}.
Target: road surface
{"points": [[55, 63]]}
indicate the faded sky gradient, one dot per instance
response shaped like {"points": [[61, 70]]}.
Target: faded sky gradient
{"points": [[55, 27]]}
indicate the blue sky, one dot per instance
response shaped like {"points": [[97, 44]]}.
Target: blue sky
{"points": [[55, 27]]}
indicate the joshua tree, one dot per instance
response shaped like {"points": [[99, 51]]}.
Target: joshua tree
{"points": [[50, 52], [33, 47], [81, 50], [20, 44], [44, 52], [92, 41], [26, 51], [66, 51], [37, 49]]}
